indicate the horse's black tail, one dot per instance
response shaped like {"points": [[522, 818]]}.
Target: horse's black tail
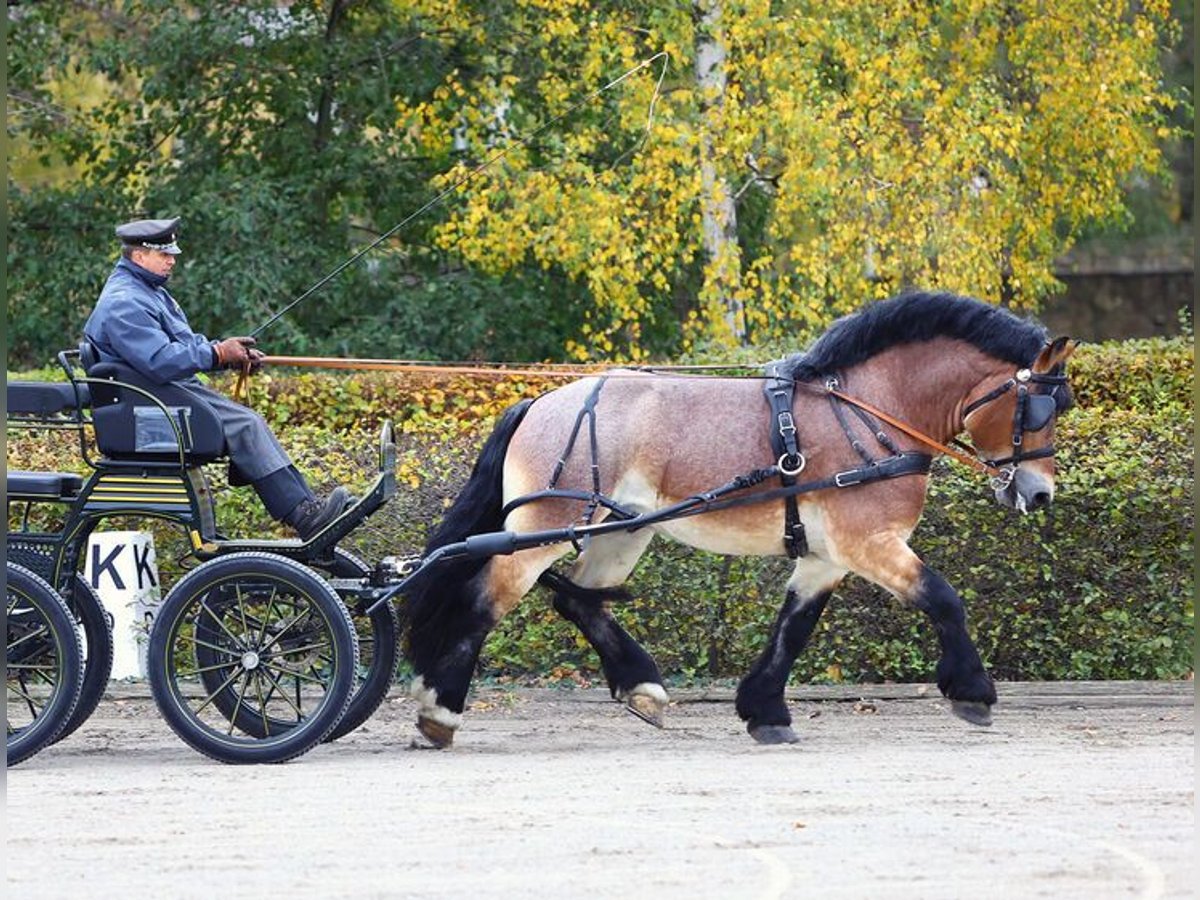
{"points": [[439, 602]]}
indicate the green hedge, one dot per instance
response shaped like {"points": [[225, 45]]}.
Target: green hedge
{"points": [[1098, 586]]}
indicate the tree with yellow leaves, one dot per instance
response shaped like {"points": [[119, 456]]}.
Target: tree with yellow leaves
{"points": [[803, 157]]}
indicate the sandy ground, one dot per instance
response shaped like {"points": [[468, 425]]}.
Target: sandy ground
{"points": [[1083, 790]]}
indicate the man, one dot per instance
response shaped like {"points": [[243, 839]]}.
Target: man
{"points": [[138, 323]]}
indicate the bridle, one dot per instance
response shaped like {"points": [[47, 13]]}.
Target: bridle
{"points": [[1034, 411]]}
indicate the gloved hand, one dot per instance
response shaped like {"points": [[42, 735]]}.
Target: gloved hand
{"points": [[236, 352], [256, 358]]}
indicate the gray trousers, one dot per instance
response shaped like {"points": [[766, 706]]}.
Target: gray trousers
{"points": [[254, 451]]}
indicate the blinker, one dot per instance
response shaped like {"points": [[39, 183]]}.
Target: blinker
{"points": [[1039, 410]]}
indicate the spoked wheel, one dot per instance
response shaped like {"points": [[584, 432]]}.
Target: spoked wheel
{"points": [[265, 638], [378, 652], [378, 648], [44, 664], [95, 625]]}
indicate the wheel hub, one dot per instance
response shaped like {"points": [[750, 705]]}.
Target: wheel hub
{"points": [[250, 660]]}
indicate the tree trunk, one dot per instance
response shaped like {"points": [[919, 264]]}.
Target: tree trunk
{"points": [[323, 123], [718, 214]]}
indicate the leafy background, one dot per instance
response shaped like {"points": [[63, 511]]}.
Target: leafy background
{"points": [[844, 153]]}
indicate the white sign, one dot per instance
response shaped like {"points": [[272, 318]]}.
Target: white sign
{"points": [[123, 570]]}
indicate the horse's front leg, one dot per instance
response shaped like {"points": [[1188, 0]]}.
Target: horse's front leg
{"points": [[888, 561], [760, 702]]}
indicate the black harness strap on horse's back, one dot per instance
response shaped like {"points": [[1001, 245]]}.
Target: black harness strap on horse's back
{"points": [[588, 411], [786, 447]]}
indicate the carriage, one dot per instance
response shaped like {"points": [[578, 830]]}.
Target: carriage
{"points": [[254, 655], [281, 652]]}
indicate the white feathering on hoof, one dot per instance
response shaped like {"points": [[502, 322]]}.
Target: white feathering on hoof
{"points": [[430, 708]]}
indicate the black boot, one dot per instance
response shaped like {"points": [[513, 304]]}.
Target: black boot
{"points": [[311, 516]]}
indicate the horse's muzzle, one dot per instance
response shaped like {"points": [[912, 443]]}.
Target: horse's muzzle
{"points": [[1027, 491]]}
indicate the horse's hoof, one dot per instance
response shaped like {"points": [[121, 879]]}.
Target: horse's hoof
{"points": [[646, 708], [773, 734], [972, 711], [439, 736]]}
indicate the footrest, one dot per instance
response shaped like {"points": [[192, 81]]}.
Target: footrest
{"points": [[44, 485]]}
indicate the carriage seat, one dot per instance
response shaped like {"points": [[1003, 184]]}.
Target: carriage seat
{"points": [[50, 403], [43, 485], [131, 426]]}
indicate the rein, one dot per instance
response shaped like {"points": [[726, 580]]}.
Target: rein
{"points": [[973, 461], [541, 370]]}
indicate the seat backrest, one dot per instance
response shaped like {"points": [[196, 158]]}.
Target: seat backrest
{"points": [[131, 426], [89, 356]]}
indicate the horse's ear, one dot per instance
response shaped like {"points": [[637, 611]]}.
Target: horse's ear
{"points": [[1055, 353]]}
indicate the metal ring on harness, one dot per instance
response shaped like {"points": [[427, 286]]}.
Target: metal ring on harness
{"points": [[789, 471], [1003, 478]]}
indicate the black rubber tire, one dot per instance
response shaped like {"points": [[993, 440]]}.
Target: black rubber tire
{"points": [[377, 668], [236, 597], [379, 652], [96, 626], [41, 638]]}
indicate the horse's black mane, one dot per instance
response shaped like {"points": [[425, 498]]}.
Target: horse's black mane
{"points": [[914, 317]]}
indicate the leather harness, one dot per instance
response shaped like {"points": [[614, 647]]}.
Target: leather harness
{"points": [[786, 449], [779, 391], [1033, 412]]}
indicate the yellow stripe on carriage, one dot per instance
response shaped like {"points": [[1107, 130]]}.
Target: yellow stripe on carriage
{"points": [[149, 479], [107, 489], [138, 498]]}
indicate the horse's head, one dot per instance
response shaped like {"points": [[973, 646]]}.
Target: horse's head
{"points": [[1012, 424]]}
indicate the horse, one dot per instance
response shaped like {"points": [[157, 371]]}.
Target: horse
{"points": [[920, 368]]}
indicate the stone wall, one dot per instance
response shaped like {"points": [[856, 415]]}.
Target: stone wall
{"points": [[1100, 306]]}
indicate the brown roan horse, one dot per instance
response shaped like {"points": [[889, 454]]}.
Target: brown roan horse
{"points": [[935, 364]]}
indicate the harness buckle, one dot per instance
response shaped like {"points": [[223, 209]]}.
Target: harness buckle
{"points": [[1003, 478], [788, 470], [787, 425]]}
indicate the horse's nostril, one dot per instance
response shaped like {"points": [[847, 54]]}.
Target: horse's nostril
{"points": [[1040, 499]]}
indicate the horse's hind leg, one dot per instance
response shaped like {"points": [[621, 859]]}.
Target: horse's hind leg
{"points": [[633, 678], [760, 702], [472, 610]]}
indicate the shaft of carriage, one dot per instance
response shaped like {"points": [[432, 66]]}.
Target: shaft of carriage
{"points": [[503, 543]]}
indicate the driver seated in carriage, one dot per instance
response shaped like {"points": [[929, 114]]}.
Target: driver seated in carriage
{"points": [[136, 322]]}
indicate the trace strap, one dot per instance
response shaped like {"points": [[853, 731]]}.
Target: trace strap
{"points": [[503, 543]]}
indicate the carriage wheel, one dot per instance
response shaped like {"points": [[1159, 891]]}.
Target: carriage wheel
{"points": [[44, 664], [96, 627], [379, 648], [282, 642], [378, 652]]}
